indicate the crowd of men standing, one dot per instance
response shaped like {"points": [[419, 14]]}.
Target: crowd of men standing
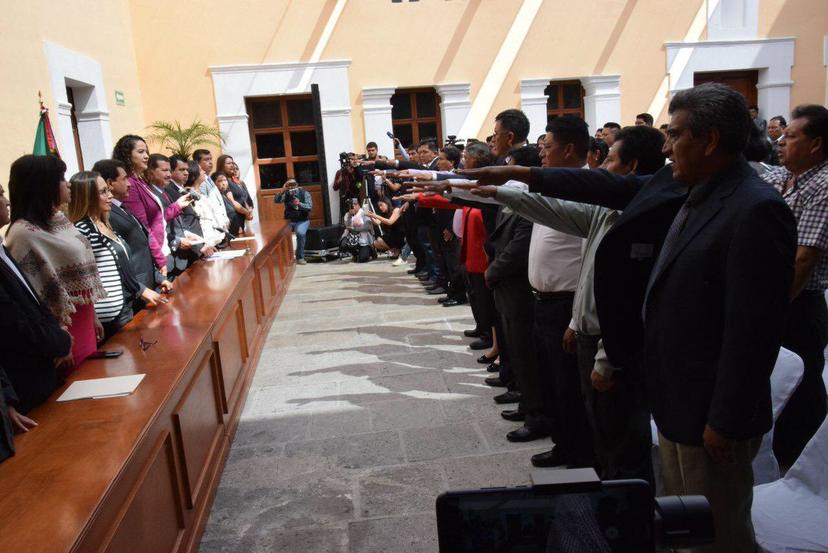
{"points": [[661, 284]]}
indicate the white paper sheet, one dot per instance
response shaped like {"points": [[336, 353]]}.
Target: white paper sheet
{"points": [[243, 238], [227, 254], [99, 388]]}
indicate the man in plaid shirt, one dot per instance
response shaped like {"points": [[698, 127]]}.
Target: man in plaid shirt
{"points": [[803, 183]]}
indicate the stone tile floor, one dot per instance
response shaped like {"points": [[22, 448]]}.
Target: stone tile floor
{"points": [[365, 405]]}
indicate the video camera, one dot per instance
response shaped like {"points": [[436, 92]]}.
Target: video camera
{"points": [[562, 513], [344, 160]]}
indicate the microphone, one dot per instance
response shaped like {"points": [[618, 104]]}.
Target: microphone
{"points": [[390, 135], [225, 231]]}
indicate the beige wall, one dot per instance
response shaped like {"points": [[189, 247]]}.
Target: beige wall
{"points": [[807, 20], [98, 29]]}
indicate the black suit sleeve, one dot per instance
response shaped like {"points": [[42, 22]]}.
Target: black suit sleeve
{"points": [[598, 187], [758, 275], [25, 335], [513, 258], [7, 389]]}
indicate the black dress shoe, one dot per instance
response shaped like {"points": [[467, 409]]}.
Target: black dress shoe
{"points": [[526, 434], [495, 382], [493, 368], [472, 333], [514, 415], [483, 360], [435, 291], [414, 271], [444, 299], [481, 343], [452, 302], [507, 397], [433, 286], [552, 458]]}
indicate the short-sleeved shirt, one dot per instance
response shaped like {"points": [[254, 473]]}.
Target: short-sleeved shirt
{"points": [[808, 199]]}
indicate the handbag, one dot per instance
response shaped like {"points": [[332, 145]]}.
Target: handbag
{"points": [[349, 242]]}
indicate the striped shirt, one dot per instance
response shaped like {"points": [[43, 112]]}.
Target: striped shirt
{"points": [[106, 257]]}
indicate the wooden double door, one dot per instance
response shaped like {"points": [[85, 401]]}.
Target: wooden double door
{"points": [[743, 82], [287, 143]]}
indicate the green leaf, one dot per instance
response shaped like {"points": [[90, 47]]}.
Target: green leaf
{"points": [[182, 141]]}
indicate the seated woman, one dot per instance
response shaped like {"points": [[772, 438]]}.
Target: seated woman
{"points": [[358, 223], [53, 255], [393, 228], [235, 211], [89, 209]]}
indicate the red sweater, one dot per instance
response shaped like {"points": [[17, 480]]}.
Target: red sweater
{"points": [[472, 253]]}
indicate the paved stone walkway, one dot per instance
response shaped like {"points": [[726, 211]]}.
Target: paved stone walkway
{"points": [[366, 404]]}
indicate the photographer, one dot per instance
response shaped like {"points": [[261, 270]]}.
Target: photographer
{"points": [[298, 205], [357, 222], [346, 181]]}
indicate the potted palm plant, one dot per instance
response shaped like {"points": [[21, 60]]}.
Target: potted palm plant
{"points": [[182, 141]]}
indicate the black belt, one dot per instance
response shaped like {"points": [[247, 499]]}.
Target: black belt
{"points": [[552, 295]]}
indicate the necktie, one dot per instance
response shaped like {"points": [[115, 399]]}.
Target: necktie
{"points": [[670, 241]]}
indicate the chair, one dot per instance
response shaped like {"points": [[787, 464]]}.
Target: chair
{"points": [[791, 514], [786, 376]]}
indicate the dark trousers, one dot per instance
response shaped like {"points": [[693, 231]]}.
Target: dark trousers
{"points": [[515, 304], [483, 306], [504, 355], [410, 223], [428, 257], [806, 332], [363, 254], [438, 247], [558, 377], [619, 419], [456, 282]]}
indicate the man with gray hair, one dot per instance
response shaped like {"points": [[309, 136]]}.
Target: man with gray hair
{"points": [[692, 288]]}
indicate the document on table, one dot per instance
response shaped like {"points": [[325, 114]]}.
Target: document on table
{"points": [[226, 254], [99, 388], [243, 238]]}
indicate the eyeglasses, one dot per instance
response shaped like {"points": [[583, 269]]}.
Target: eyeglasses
{"points": [[144, 345]]}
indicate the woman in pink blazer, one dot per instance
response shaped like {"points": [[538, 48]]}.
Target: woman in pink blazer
{"points": [[145, 206]]}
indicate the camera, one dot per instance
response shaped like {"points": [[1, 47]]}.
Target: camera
{"points": [[560, 514], [344, 160]]}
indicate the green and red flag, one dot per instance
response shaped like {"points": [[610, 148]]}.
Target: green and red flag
{"points": [[45, 143]]}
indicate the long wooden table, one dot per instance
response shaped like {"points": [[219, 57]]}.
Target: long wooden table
{"points": [[139, 473]]}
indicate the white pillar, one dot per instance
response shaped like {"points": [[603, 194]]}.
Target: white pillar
{"points": [[455, 104], [95, 136], [376, 113], [602, 100], [773, 98], [338, 137], [533, 103], [236, 134]]}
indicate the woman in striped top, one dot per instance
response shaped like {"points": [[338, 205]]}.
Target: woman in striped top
{"points": [[89, 210]]}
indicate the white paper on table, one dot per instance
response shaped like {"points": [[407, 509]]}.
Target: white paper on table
{"points": [[226, 254], [243, 238], [99, 388]]}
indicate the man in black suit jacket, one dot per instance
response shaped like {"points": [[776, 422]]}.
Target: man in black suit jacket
{"points": [[692, 287], [129, 228], [507, 276], [33, 342]]}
